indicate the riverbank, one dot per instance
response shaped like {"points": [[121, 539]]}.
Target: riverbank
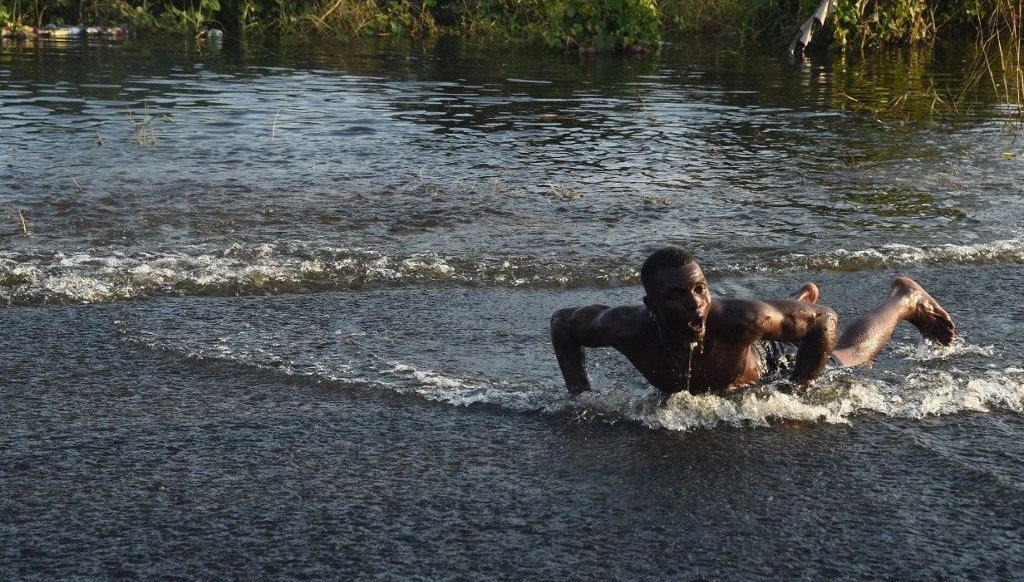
{"points": [[604, 25]]}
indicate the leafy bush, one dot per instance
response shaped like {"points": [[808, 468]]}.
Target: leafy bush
{"points": [[602, 25], [871, 22]]}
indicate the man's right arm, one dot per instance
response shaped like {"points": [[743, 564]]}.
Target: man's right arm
{"points": [[572, 329], [810, 325]]}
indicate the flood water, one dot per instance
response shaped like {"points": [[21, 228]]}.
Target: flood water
{"points": [[283, 313]]}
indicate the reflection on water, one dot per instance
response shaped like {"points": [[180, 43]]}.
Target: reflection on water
{"points": [[175, 147]]}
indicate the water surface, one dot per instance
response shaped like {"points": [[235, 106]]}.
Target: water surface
{"points": [[283, 312]]}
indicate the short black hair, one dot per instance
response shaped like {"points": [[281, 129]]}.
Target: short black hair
{"points": [[660, 259]]}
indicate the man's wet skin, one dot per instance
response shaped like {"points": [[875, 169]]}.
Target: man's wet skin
{"points": [[681, 339], [907, 301], [924, 312], [808, 293], [680, 307]]}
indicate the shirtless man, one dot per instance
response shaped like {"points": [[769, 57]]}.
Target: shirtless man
{"points": [[681, 339]]}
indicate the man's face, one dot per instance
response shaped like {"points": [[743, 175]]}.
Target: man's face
{"points": [[680, 301]]}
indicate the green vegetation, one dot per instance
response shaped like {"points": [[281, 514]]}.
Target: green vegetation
{"points": [[584, 25], [602, 25], [575, 24]]}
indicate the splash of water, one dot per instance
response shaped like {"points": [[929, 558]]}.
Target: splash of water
{"points": [[839, 397], [101, 275], [689, 365]]}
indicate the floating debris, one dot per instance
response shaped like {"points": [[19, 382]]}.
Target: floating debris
{"points": [[104, 31], [211, 33], [62, 32]]}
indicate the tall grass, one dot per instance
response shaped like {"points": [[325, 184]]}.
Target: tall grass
{"points": [[1001, 54]]}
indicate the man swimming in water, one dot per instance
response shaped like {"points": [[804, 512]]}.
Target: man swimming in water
{"points": [[681, 339]]}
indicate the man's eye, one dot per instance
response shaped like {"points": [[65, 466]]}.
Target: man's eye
{"points": [[699, 289]]}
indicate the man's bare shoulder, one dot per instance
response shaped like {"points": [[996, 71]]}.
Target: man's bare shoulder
{"points": [[738, 319], [602, 324], [738, 311], [751, 319]]}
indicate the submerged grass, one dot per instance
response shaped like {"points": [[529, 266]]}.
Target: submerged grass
{"points": [[273, 125], [145, 126], [22, 230], [24, 223]]}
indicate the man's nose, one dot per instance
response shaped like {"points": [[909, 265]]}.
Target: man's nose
{"points": [[692, 300]]}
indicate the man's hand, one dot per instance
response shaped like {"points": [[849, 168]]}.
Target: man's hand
{"points": [[815, 348], [810, 325]]}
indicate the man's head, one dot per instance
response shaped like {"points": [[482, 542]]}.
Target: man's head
{"points": [[663, 258], [677, 294]]}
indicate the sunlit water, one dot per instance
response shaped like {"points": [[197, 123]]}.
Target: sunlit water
{"points": [[283, 312]]}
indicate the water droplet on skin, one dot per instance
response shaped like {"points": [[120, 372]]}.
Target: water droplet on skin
{"points": [[689, 366]]}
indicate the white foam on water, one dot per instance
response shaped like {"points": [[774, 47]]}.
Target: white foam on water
{"points": [[684, 411], [840, 396], [837, 398], [98, 275], [927, 352], [90, 277], [1007, 251], [432, 385]]}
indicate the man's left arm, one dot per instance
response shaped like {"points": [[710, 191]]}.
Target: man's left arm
{"points": [[812, 326]]}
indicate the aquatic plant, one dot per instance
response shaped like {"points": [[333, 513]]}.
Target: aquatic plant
{"points": [[373, 17], [24, 223], [1002, 54], [144, 126], [192, 14], [996, 65], [22, 230], [564, 193]]}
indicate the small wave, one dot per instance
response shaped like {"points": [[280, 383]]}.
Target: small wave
{"points": [[839, 396], [95, 277], [1001, 252], [836, 399], [89, 277]]}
